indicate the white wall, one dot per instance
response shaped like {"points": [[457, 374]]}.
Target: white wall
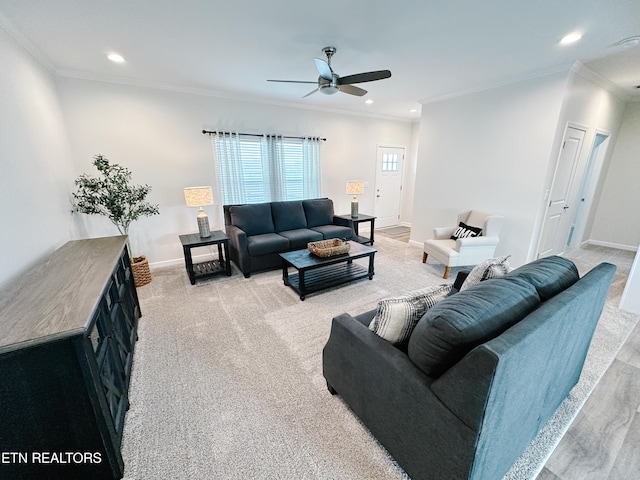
{"points": [[488, 151], [35, 179], [616, 221], [157, 135], [409, 174], [588, 105]]}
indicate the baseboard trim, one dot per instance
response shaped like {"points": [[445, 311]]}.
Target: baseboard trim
{"points": [[180, 261], [619, 246]]}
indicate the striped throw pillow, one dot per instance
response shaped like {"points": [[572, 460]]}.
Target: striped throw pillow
{"points": [[396, 317]]}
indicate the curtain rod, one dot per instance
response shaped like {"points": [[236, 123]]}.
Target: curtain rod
{"points": [[259, 135]]}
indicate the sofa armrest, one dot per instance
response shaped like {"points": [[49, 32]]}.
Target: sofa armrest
{"points": [[476, 242], [238, 250], [352, 337], [393, 398], [440, 233], [345, 222]]}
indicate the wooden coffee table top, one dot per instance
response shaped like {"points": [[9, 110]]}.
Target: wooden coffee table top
{"points": [[304, 259]]}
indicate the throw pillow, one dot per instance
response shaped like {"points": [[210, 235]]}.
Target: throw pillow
{"points": [[492, 268], [465, 231], [396, 317]]}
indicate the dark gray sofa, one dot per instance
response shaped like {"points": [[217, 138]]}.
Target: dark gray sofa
{"points": [[259, 232], [483, 371]]}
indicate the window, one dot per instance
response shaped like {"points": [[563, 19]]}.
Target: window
{"points": [[253, 169], [389, 162]]}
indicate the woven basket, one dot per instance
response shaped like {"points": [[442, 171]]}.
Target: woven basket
{"points": [[141, 272], [328, 248]]}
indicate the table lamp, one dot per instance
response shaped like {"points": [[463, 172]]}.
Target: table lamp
{"points": [[200, 197], [355, 188]]}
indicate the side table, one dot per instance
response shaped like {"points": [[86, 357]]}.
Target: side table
{"points": [[210, 267], [356, 222]]}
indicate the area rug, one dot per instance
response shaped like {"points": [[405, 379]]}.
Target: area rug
{"points": [[227, 379]]}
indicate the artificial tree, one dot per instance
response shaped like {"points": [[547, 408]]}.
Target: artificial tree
{"points": [[112, 195]]}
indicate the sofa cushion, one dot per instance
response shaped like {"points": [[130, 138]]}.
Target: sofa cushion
{"points": [[266, 243], [254, 218], [318, 211], [396, 318], [453, 327], [549, 275], [492, 268], [288, 216], [300, 237], [334, 231]]}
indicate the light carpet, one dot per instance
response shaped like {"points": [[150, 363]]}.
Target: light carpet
{"points": [[227, 379]]}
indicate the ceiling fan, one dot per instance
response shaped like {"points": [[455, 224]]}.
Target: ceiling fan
{"points": [[330, 82]]}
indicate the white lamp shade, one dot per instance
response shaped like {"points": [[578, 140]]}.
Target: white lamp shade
{"points": [[355, 188], [198, 196]]}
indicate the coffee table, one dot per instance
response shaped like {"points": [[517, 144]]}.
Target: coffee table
{"points": [[319, 273]]}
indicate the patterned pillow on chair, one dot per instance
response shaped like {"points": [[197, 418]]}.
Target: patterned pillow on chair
{"points": [[464, 231]]}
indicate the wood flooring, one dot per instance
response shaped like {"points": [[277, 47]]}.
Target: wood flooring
{"points": [[603, 442]]}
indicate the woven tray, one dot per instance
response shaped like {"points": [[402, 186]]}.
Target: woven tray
{"points": [[328, 248]]}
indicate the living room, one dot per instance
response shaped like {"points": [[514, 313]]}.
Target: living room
{"points": [[491, 145]]}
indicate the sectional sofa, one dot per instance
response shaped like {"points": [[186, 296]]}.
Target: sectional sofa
{"points": [[259, 232], [482, 372]]}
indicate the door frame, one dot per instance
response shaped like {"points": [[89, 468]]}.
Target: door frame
{"points": [[401, 175], [572, 195]]}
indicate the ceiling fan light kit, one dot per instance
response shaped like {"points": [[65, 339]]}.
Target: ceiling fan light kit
{"points": [[330, 82]]}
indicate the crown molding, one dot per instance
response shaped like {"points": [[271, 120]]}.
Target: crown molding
{"points": [[133, 82], [587, 73], [506, 82], [25, 43]]}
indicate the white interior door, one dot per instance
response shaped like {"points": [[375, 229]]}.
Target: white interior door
{"points": [[390, 163], [558, 218]]}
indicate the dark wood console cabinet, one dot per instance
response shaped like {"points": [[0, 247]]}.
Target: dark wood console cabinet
{"points": [[67, 335]]}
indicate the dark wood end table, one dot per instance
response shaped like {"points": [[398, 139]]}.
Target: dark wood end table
{"points": [[319, 273], [356, 222], [210, 267]]}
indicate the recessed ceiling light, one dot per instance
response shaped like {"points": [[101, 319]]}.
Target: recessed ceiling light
{"points": [[368, 101], [570, 38], [413, 110], [630, 42], [114, 57]]}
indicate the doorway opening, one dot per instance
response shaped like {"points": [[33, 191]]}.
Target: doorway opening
{"points": [[587, 190]]}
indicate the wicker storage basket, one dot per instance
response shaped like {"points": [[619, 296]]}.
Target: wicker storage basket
{"points": [[328, 248], [141, 272]]}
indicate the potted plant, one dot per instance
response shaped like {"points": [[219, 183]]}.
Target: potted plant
{"points": [[112, 195]]}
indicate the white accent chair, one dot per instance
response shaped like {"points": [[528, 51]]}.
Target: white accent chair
{"points": [[464, 251]]}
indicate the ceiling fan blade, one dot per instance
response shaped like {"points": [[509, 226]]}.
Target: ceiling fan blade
{"points": [[351, 90], [311, 92], [324, 69], [292, 81], [364, 77]]}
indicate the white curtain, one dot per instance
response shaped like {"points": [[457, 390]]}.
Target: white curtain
{"points": [[266, 168], [275, 161], [311, 167], [229, 171]]}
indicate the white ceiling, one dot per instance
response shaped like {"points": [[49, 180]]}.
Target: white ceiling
{"points": [[433, 48]]}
